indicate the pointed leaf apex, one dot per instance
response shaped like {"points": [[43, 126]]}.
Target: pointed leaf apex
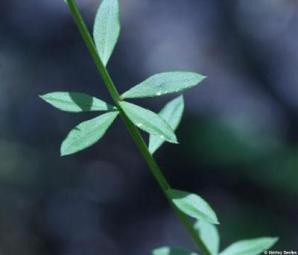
{"points": [[193, 205], [172, 113]]}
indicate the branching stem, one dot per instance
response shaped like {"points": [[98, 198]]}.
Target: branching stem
{"points": [[134, 132]]}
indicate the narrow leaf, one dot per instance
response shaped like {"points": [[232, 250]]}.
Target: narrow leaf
{"points": [[106, 29], [172, 114], [164, 83], [193, 206], [250, 247], [209, 235], [171, 251], [149, 121], [75, 102], [87, 133]]}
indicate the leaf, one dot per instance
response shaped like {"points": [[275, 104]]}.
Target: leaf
{"points": [[75, 102], [172, 114], [149, 121], [171, 251], [193, 205], [164, 83], [87, 133], [209, 235], [250, 247], [106, 29]]}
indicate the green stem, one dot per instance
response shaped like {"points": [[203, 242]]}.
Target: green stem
{"points": [[134, 132]]}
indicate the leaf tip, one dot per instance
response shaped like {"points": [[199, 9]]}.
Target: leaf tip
{"points": [[42, 96], [201, 78], [174, 139], [213, 219], [63, 153], [216, 221], [151, 149], [274, 240], [179, 99]]}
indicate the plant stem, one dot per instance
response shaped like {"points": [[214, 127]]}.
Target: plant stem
{"points": [[134, 132]]}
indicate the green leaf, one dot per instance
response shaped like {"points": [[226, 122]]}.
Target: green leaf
{"points": [[193, 205], [164, 83], [171, 251], [87, 133], [172, 114], [209, 235], [75, 102], [149, 121], [250, 247], [106, 29]]}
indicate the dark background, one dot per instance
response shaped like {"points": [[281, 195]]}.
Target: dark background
{"points": [[238, 138]]}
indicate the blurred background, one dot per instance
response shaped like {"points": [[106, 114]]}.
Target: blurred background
{"points": [[238, 138]]}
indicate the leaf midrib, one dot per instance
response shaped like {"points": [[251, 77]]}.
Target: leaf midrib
{"points": [[72, 103]]}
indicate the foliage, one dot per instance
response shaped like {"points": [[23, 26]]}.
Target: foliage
{"points": [[161, 127]]}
